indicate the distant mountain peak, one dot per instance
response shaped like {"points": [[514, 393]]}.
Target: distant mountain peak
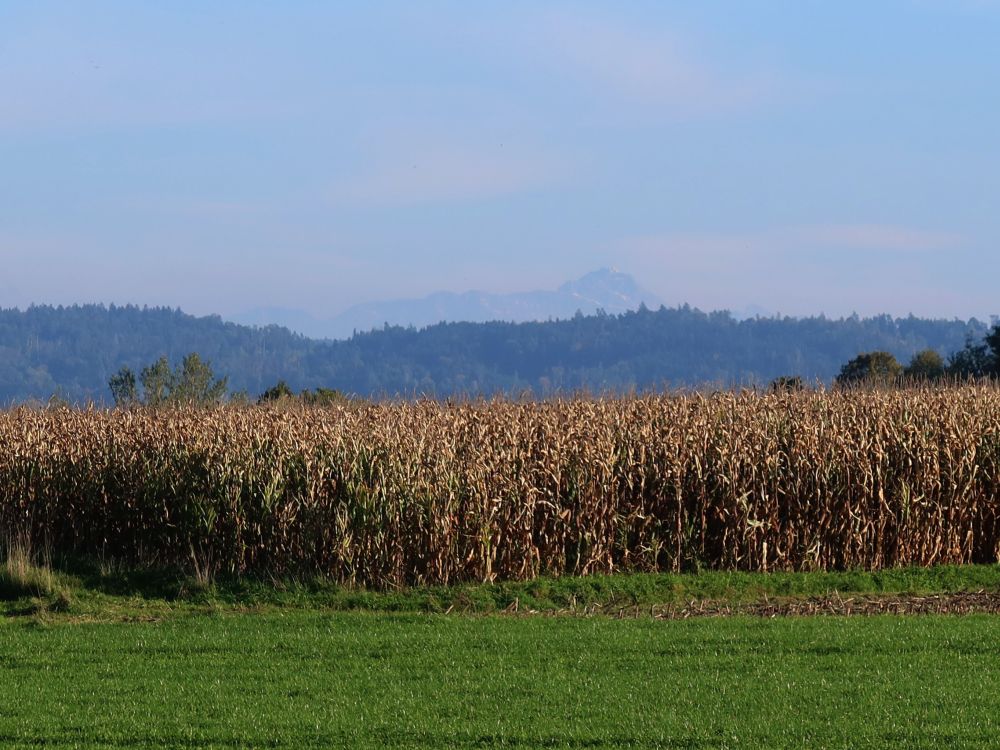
{"points": [[610, 290]]}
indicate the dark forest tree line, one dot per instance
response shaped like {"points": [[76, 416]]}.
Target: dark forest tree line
{"points": [[74, 351], [194, 383]]}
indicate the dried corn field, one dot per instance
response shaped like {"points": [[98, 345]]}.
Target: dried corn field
{"points": [[390, 494]]}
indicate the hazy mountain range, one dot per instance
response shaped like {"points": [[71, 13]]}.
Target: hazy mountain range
{"points": [[606, 289]]}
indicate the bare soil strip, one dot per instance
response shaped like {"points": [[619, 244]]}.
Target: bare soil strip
{"points": [[961, 603], [957, 603]]}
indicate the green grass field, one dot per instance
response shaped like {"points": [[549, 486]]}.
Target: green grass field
{"points": [[358, 679], [143, 659]]}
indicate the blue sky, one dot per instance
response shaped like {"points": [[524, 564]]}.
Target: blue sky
{"points": [[802, 156]]}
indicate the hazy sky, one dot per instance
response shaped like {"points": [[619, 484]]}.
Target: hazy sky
{"points": [[803, 156]]}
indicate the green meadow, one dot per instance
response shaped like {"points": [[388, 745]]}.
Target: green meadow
{"points": [[140, 662]]}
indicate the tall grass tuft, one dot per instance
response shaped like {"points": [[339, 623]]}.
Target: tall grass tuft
{"points": [[21, 575]]}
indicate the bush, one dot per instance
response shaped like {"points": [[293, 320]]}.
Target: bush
{"points": [[926, 365], [870, 367], [786, 384]]}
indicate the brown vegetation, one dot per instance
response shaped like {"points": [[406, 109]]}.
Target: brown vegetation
{"points": [[390, 494]]}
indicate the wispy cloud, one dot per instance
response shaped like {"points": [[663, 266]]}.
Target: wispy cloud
{"points": [[652, 65], [407, 172], [876, 238], [777, 243], [799, 269]]}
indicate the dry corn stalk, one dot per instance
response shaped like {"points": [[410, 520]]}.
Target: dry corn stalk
{"points": [[393, 494]]}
